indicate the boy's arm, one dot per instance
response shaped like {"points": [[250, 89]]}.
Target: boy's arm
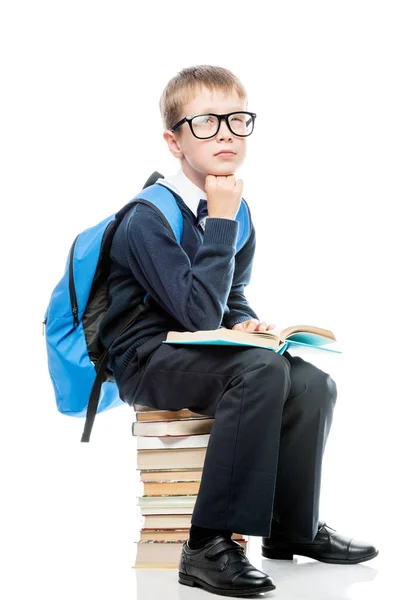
{"points": [[238, 308], [196, 293]]}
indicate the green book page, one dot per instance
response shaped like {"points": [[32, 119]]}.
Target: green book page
{"points": [[309, 338], [291, 342]]}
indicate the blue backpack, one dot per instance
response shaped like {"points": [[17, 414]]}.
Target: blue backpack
{"points": [[76, 358]]}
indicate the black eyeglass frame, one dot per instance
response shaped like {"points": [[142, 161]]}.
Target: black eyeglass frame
{"points": [[190, 118]]}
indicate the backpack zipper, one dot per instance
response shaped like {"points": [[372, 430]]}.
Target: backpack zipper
{"points": [[72, 293]]}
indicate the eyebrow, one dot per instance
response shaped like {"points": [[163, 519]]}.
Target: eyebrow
{"points": [[211, 110]]}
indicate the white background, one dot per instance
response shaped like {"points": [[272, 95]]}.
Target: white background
{"points": [[80, 134]]}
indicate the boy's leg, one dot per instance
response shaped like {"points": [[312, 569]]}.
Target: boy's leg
{"points": [[306, 423], [244, 389]]}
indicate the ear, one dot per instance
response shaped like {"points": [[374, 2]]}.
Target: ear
{"points": [[173, 143]]}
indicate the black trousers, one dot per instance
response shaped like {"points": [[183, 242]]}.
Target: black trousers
{"points": [[272, 414]]}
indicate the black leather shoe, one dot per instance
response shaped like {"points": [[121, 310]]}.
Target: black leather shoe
{"points": [[221, 567], [327, 546]]}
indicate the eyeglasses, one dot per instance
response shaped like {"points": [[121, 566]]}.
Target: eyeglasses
{"points": [[207, 125]]}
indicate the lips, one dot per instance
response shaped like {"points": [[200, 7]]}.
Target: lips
{"points": [[225, 152]]}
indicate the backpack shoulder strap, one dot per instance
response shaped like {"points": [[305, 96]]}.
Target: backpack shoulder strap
{"points": [[160, 198], [244, 218]]}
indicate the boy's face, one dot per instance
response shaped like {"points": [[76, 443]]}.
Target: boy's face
{"points": [[198, 156]]}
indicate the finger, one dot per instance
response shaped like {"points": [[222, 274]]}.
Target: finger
{"points": [[252, 324], [239, 186]]}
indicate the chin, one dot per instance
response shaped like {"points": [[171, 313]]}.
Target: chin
{"points": [[222, 169]]}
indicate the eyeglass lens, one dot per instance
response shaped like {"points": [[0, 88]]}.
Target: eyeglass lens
{"points": [[206, 125]]}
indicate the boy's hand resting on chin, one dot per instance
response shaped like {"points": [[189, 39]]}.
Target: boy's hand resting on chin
{"points": [[253, 325], [224, 195]]}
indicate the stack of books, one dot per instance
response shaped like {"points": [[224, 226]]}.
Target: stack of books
{"points": [[171, 449]]}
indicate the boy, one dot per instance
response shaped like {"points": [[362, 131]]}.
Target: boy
{"points": [[272, 412]]}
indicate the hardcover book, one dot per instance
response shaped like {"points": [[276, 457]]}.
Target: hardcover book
{"points": [[278, 339]]}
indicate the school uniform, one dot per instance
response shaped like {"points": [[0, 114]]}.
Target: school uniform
{"points": [[272, 412]]}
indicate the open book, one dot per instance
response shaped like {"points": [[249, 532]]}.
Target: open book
{"points": [[277, 339]]}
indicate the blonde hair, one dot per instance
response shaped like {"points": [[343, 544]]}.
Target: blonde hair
{"points": [[187, 83]]}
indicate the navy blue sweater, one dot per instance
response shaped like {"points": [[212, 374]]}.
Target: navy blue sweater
{"points": [[198, 284]]}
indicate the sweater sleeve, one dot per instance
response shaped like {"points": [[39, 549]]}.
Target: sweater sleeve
{"points": [[239, 309], [194, 294]]}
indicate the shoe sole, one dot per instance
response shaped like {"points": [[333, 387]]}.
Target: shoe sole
{"points": [[193, 581], [288, 555]]}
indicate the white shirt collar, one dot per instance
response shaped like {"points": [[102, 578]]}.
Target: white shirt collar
{"points": [[186, 189]]}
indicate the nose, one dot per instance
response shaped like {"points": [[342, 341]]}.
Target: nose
{"points": [[224, 129]]}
